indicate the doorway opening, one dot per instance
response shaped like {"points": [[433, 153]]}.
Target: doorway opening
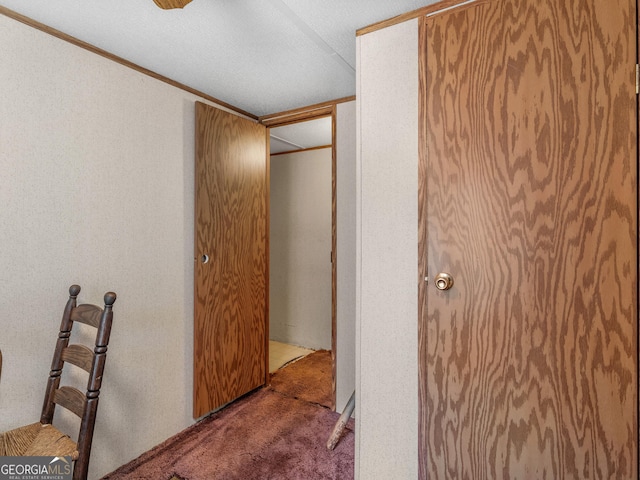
{"points": [[302, 238]]}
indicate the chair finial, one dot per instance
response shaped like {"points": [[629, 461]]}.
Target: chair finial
{"points": [[74, 290], [109, 298]]}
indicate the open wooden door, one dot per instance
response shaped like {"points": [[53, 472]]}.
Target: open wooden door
{"points": [[230, 311], [529, 190]]}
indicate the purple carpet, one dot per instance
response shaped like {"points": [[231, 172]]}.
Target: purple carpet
{"points": [[265, 435]]}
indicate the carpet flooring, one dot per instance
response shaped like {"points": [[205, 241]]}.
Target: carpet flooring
{"points": [[307, 379], [272, 433]]}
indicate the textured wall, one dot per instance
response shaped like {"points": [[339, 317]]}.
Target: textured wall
{"points": [[346, 255], [96, 186], [300, 247], [96, 169], [387, 312]]}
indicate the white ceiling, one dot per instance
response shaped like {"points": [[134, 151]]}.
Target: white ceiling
{"points": [[261, 56], [301, 135]]}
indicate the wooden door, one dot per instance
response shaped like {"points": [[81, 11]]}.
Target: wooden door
{"points": [[528, 191], [230, 323]]}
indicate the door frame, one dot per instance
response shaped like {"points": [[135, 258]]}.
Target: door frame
{"points": [[304, 114]]}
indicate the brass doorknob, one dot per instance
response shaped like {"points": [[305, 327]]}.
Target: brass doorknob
{"points": [[444, 281]]}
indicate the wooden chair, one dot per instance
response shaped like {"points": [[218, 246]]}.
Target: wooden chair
{"points": [[42, 438]]}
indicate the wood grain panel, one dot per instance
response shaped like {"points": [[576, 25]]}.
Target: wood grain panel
{"points": [[169, 4], [531, 189], [79, 355], [230, 331], [70, 398], [423, 437], [87, 314], [303, 113]]}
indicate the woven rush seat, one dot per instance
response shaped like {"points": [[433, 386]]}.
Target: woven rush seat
{"points": [[37, 439]]}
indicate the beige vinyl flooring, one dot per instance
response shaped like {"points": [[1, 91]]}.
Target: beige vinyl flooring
{"points": [[282, 353]]}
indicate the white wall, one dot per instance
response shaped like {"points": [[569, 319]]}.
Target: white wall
{"points": [[96, 188], [300, 248], [346, 252], [387, 261]]}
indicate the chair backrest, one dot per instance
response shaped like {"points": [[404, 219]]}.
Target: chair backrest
{"points": [[83, 404]]}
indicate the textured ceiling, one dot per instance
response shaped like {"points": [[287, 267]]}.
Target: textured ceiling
{"points": [[261, 56], [301, 135]]}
